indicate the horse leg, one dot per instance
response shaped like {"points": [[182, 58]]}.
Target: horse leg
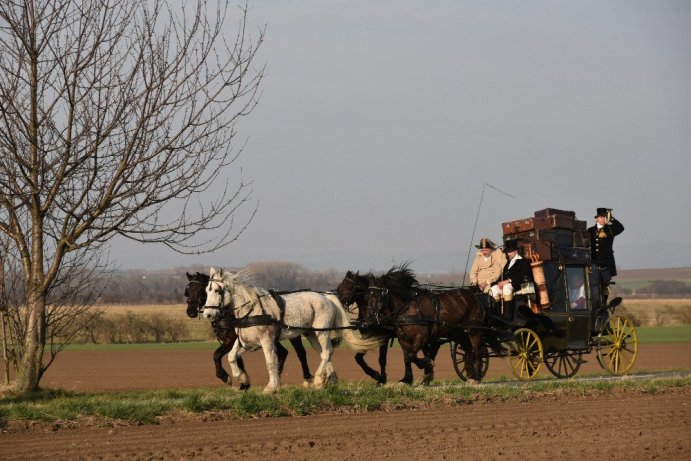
{"points": [[221, 373], [379, 377], [430, 353], [475, 337], [282, 354], [322, 344], [237, 367], [302, 356], [408, 357], [383, 351], [269, 348]]}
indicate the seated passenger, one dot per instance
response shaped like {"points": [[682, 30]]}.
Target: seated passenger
{"points": [[516, 270], [576, 284], [487, 266]]}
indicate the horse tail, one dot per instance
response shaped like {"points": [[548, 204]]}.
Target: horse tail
{"points": [[355, 340]]}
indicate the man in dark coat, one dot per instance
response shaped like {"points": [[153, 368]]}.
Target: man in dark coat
{"points": [[602, 239], [516, 270]]}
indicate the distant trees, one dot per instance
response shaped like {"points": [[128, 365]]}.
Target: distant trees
{"points": [[666, 288]]}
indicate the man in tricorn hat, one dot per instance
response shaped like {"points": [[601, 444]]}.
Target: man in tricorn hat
{"points": [[487, 266], [602, 238], [516, 271]]}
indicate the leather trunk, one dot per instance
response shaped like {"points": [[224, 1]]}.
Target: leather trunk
{"points": [[543, 250], [559, 237], [555, 221], [553, 211], [519, 225]]}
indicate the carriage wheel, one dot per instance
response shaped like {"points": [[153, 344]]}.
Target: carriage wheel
{"points": [[525, 354], [458, 360], [617, 345], [563, 364]]}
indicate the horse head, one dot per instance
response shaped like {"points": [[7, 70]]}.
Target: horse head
{"points": [[195, 292], [352, 288], [218, 295], [397, 282]]}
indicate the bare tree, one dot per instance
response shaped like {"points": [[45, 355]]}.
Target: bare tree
{"points": [[117, 118]]}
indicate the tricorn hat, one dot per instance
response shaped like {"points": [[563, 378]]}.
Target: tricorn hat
{"points": [[510, 245], [601, 212], [486, 243]]}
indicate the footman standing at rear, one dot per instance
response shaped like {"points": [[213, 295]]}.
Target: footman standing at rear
{"points": [[602, 238]]}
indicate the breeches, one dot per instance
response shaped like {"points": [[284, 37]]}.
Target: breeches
{"points": [[506, 292]]}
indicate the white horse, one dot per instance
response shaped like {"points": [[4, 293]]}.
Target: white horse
{"points": [[317, 316]]}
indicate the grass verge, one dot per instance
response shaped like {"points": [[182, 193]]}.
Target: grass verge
{"points": [[149, 407]]}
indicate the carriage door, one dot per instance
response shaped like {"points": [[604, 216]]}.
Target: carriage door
{"points": [[578, 307]]}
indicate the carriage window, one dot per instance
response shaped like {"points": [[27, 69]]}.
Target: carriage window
{"points": [[575, 281]]}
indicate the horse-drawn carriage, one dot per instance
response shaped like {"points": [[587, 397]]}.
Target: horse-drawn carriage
{"points": [[558, 317], [578, 320]]}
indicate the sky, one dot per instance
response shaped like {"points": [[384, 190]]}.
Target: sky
{"points": [[395, 131]]}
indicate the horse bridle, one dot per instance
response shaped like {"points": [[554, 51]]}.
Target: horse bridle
{"points": [[380, 304]]}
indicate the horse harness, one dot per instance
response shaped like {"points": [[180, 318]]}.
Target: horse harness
{"points": [[396, 319], [247, 321]]}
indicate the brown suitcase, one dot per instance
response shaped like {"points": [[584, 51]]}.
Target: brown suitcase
{"points": [[580, 226], [519, 225], [579, 240], [555, 221], [559, 237], [580, 254], [543, 250], [550, 211]]}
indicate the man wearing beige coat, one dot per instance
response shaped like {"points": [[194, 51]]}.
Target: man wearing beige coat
{"points": [[487, 266]]}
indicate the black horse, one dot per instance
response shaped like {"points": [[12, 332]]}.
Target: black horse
{"points": [[353, 289], [423, 319], [225, 332]]}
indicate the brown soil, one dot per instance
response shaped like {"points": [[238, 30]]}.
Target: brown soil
{"points": [[617, 425]]}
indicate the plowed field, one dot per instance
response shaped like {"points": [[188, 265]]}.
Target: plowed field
{"points": [[616, 425]]}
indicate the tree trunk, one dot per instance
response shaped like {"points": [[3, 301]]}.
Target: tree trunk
{"points": [[31, 367]]}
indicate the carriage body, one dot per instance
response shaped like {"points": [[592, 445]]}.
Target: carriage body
{"points": [[580, 318]]}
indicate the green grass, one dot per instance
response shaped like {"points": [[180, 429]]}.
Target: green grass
{"points": [[147, 407], [664, 335]]}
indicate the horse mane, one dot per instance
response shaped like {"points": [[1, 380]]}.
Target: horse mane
{"points": [[242, 287], [199, 277], [400, 276]]}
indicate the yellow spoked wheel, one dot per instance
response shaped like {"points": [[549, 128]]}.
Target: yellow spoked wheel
{"points": [[617, 345], [525, 354], [563, 364]]}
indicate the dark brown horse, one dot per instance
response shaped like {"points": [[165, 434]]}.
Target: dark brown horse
{"points": [[423, 319], [225, 332], [353, 289]]}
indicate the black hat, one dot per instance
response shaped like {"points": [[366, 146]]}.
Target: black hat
{"points": [[601, 212], [486, 243], [510, 245]]}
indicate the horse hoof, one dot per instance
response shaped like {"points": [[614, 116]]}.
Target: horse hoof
{"points": [[269, 390], [307, 383], [244, 386]]}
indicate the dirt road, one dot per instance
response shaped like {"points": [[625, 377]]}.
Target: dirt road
{"points": [[616, 426]]}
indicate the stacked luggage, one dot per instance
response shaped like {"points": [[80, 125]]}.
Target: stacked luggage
{"points": [[550, 235]]}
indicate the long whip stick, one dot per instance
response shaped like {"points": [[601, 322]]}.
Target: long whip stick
{"points": [[477, 216]]}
